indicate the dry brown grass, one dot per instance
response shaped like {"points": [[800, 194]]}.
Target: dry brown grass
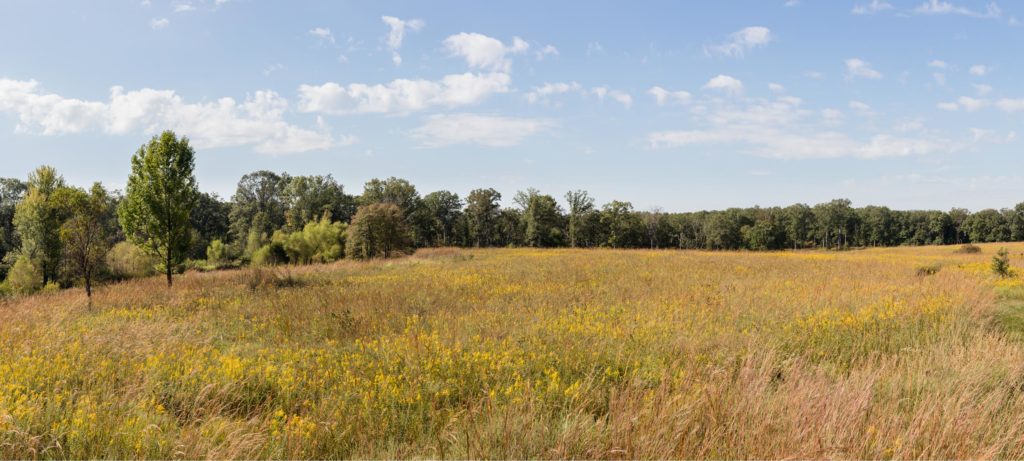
{"points": [[528, 354]]}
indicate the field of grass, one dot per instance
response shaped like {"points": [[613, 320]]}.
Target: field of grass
{"points": [[881, 353]]}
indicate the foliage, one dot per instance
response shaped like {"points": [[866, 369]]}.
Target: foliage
{"points": [[482, 211], [218, 254], [318, 242], [159, 199], [84, 235], [1001, 263], [378, 230], [968, 248], [25, 277], [37, 220], [126, 260]]}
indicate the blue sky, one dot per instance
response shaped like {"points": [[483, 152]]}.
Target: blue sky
{"points": [[682, 105]]}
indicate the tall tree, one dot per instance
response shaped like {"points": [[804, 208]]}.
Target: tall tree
{"points": [[85, 234], [309, 197], [159, 199], [12, 191], [378, 229], [482, 215], [258, 207], [444, 209], [209, 220], [542, 218], [38, 218], [581, 206]]}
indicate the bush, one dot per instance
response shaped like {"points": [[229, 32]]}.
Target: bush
{"points": [[1001, 263], [318, 242], [217, 254], [126, 260], [25, 277], [968, 249], [271, 254], [931, 269]]}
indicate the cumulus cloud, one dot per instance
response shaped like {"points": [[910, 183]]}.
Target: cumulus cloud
{"points": [[483, 52], [663, 96], [484, 130], [938, 64], [724, 83], [548, 50], [401, 96], [258, 121], [871, 8], [857, 68], [742, 41], [157, 24], [397, 33], [323, 34]]}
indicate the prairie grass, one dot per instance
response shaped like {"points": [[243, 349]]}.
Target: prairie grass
{"points": [[523, 353]]}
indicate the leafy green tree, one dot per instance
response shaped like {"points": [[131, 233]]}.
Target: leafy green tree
{"points": [[620, 225], [25, 277], [835, 222], [542, 218], [309, 197], [444, 209], [217, 253], [318, 242], [12, 192], [159, 199], [38, 218], [85, 234], [987, 226], [378, 229], [581, 209], [402, 194], [258, 209], [210, 221], [482, 211]]}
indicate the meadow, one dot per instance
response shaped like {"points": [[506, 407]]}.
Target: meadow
{"points": [[909, 352]]}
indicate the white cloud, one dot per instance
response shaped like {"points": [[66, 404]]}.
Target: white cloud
{"points": [[982, 89], [938, 64], [871, 8], [485, 130], [594, 48], [979, 70], [401, 96], [397, 33], [742, 41], [157, 24], [548, 50], [950, 106], [483, 52], [724, 83], [861, 107], [971, 104], [776, 88], [542, 92], [781, 128], [618, 96], [184, 7], [992, 10], [322, 33], [663, 96], [258, 121], [857, 68], [1010, 105]]}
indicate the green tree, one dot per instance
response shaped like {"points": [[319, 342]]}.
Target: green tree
{"points": [[620, 225], [38, 218], [482, 216], [444, 209], [542, 218], [307, 198], [12, 192], [210, 221], [85, 235], [378, 229], [581, 208], [1001, 263], [159, 199], [257, 209]]}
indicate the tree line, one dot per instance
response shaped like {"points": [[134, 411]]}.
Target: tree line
{"points": [[56, 235]]}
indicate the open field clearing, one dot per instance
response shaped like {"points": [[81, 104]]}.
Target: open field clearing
{"points": [[889, 353]]}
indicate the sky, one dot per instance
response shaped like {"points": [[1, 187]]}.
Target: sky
{"points": [[678, 105]]}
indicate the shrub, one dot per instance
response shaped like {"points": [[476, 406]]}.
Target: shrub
{"points": [[1001, 263], [968, 249], [25, 277], [318, 242], [270, 254], [126, 260], [217, 254], [930, 269]]}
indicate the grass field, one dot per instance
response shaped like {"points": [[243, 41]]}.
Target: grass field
{"points": [[530, 354]]}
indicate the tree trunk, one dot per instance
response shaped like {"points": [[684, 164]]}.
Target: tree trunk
{"points": [[88, 288], [168, 267]]}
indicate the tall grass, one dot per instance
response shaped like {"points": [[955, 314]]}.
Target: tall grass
{"points": [[528, 354]]}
